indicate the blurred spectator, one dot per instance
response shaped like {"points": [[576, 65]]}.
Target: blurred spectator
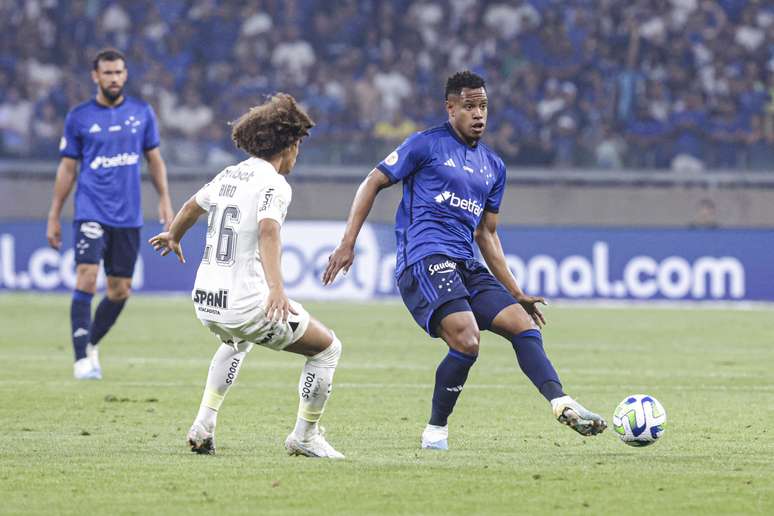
{"points": [[190, 117], [393, 88], [395, 130], [706, 215], [293, 55], [728, 132], [610, 150], [15, 118], [689, 123], [46, 131]]}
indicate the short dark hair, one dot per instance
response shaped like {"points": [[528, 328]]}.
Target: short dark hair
{"points": [[464, 79], [266, 130], [108, 54]]}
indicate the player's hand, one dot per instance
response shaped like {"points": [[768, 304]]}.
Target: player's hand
{"points": [[530, 304], [54, 233], [164, 243], [166, 214], [340, 259], [278, 306]]}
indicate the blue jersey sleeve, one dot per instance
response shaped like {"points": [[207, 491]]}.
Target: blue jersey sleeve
{"points": [[151, 137], [406, 159], [71, 144], [495, 196]]}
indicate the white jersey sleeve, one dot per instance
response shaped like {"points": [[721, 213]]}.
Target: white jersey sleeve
{"points": [[204, 196], [273, 202]]}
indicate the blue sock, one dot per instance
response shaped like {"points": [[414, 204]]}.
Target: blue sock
{"points": [[535, 364], [80, 321], [104, 318], [449, 379]]}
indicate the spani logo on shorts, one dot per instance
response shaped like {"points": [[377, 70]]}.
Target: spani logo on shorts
{"points": [[119, 160], [92, 230], [442, 267], [391, 159], [213, 299]]}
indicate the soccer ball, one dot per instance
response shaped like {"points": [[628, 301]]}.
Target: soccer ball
{"points": [[639, 420]]}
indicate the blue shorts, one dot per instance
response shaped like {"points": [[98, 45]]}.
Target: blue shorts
{"points": [[438, 285], [118, 247]]}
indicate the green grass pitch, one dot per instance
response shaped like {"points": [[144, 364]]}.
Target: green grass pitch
{"points": [[118, 446]]}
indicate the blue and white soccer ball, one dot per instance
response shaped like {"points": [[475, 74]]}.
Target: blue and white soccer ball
{"points": [[639, 420]]}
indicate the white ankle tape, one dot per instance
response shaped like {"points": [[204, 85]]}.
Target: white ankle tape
{"points": [[212, 399]]}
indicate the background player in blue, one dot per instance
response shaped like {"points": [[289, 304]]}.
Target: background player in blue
{"points": [[452, 188], [107, 134]]}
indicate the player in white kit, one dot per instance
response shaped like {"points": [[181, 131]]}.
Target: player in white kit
{"points": [[239, 293]]}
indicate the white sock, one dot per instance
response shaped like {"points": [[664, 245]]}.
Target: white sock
{"points": [[562, 400], [314, 389], [224, 370]]}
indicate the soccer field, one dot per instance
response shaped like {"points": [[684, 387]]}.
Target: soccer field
{"points": [[118, 445]]}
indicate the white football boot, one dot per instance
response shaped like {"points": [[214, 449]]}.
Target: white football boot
{"points": [[200, 440], [92, 353], [435, 437], [83, 370], [316, 446], [573, 414]]}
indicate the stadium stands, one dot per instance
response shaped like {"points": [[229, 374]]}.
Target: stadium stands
{"points": [[680, 84]]}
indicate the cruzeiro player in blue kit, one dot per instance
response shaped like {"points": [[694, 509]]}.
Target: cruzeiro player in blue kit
{"points": [[107, 134], [452, 188]]}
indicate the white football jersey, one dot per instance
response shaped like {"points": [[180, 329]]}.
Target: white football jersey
{"points": [[230, 284]]}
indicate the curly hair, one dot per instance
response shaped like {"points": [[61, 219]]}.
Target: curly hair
{"points": [[266, 130], [464, 79]]}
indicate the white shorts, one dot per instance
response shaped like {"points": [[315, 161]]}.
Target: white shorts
{"points": [[259, 330]]}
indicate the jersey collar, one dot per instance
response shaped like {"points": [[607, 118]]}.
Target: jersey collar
{"points": [[102, 106]]}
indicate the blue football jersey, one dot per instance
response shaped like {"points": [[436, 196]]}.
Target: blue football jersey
{"points": [[109, 142], [447, 185]]}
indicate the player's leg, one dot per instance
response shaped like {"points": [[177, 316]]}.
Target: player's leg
{"points": [[513, 323], [497, 310], [122, 246], [88, 249], [223, 372], [455, 324], [322, 350], [434, 293]]}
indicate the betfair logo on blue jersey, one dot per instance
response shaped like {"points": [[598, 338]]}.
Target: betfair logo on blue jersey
{"points": [[470, 205], [119, 160]]}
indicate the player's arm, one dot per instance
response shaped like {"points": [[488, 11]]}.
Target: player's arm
{"points": [[65, 179], [167, 241], [365, 196], [492, 250], [158, 174], [270, 247]]}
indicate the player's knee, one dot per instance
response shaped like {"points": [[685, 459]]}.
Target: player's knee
{"points": [[464, 339], [119, 294], [119, 290], [329, 357], [86, 279]]}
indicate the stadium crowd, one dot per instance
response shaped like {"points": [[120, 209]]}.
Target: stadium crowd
{"points": [[681, 84]]}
